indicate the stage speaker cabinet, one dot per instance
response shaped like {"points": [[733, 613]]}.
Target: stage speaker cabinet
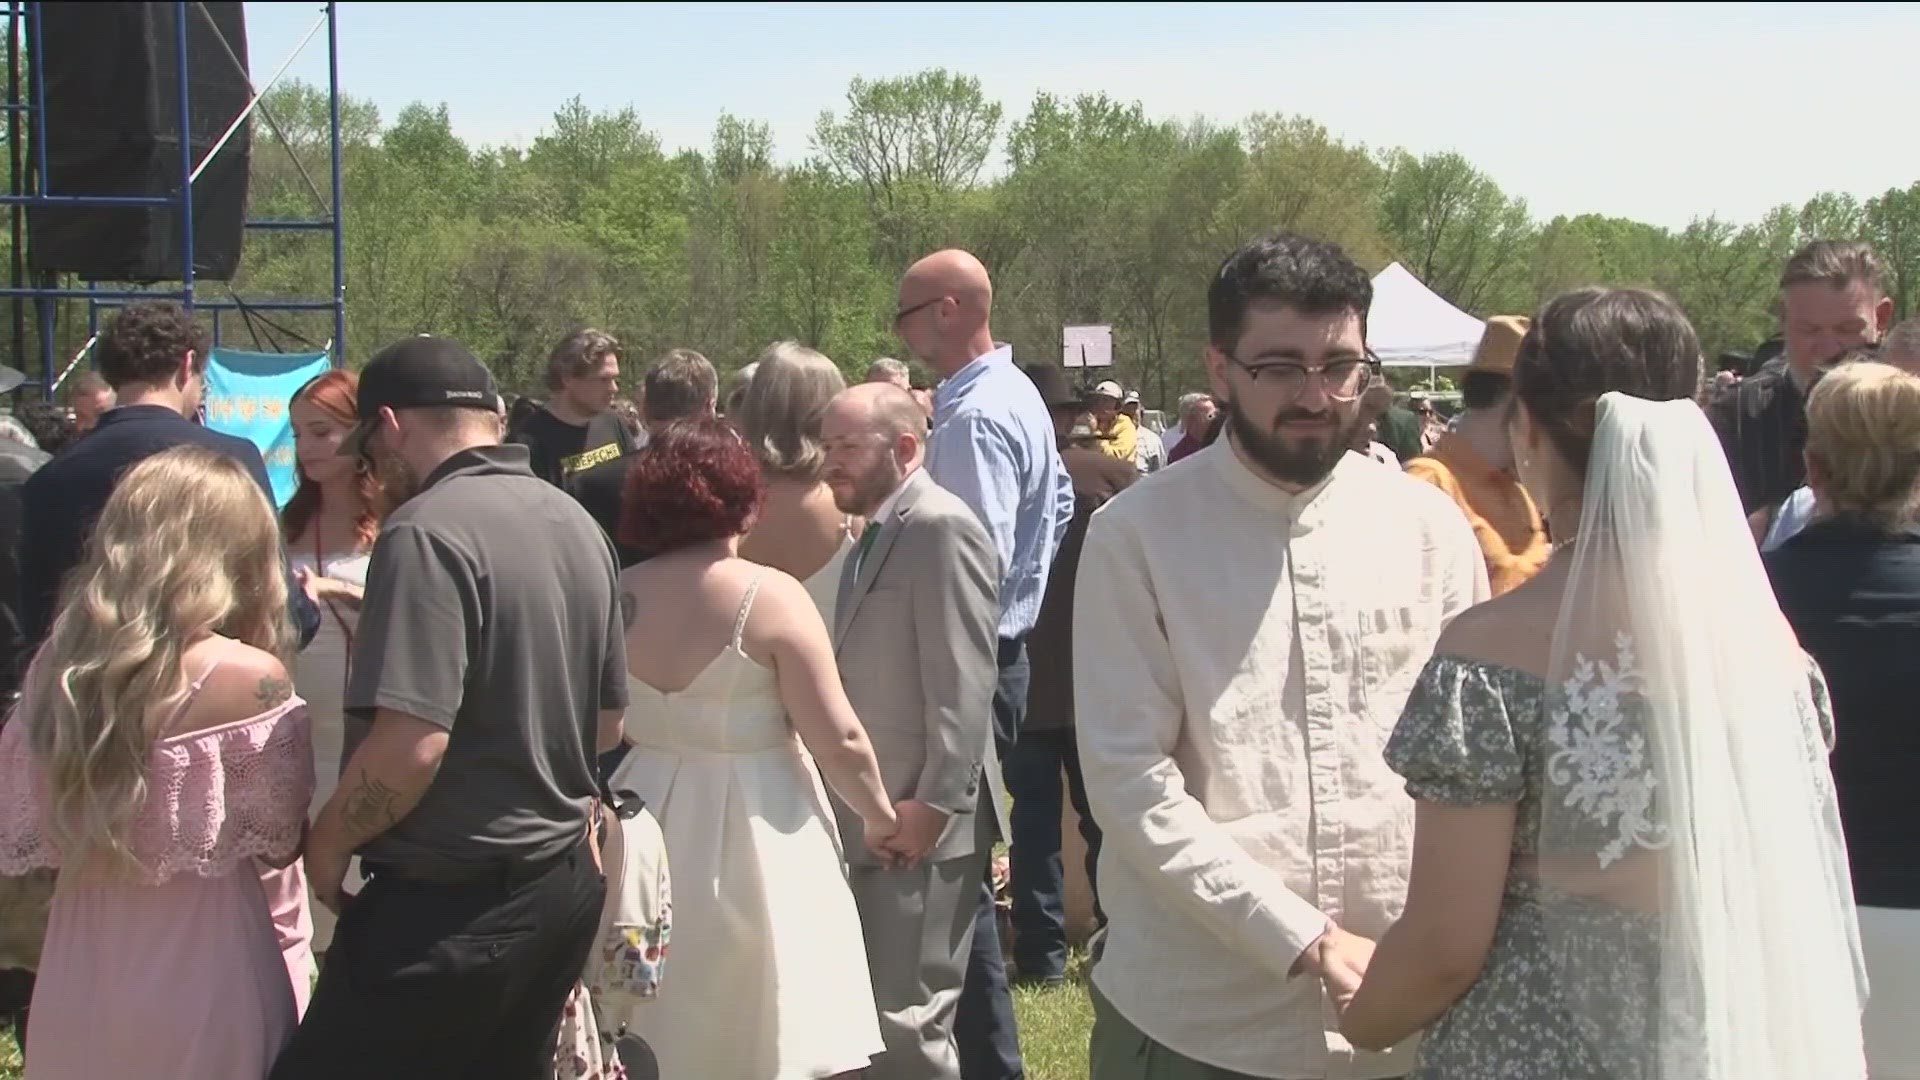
{"points": [[112, 114]]}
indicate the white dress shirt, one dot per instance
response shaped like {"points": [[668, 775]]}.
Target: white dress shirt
{"points": [[1242, 656]]}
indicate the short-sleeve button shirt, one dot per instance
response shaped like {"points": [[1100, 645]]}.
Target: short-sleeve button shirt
{"points": [[492, 611]]}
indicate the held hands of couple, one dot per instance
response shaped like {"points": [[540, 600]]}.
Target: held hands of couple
{"points": [[1340, 959], [916, 829]]}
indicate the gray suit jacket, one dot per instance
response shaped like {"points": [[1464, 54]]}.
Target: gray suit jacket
{"points": [[916, 641]]}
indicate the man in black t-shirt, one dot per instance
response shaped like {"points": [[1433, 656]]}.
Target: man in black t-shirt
{"points": [[577, 428], [681, 385]]}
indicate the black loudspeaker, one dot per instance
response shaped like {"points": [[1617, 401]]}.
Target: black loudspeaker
{"points": [[112, 120]]}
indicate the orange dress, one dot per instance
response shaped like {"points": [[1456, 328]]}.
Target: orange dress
{"points": [[1509, 527]]}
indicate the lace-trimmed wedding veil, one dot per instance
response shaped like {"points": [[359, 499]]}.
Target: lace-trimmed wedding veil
{"points": [[1688, 810]]}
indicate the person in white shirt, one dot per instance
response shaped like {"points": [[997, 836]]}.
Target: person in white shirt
{"points": [[1259, 619]]}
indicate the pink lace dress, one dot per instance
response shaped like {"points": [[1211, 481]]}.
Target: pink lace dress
{"points": [[179, 973]]}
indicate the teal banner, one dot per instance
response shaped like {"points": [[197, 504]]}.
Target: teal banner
{"points": [[247, 396]]}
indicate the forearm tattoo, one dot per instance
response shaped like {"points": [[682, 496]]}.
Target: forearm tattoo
{"points": [[369, 808]]}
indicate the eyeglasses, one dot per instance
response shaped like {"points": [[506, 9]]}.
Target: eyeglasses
{"points": [[1342, 380], [908, 312]]}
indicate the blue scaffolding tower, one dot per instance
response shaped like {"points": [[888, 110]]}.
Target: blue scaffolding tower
{"points": [[30, 191]]}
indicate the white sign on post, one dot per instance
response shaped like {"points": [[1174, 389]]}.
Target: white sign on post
{"points": [[1086, 346]]}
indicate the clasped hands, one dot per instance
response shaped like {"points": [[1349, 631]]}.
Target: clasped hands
{"points": [[1340, 960], [909, 837]]}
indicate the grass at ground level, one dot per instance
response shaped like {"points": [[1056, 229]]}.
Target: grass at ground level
{"points": [[1054, 1025], [1053, 1031]]}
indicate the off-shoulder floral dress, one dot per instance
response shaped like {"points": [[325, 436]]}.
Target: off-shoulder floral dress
{"points": [[177, 970], [1476, 733]]}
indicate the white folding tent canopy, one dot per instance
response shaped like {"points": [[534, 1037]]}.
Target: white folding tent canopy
{"points": [[1411, 326]]}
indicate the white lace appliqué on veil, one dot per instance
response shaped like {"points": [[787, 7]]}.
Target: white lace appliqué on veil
{"points": [[1600, 757]]}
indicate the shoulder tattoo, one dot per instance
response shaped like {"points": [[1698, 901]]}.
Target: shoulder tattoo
{"points": [[273, 691], [629, 609]]}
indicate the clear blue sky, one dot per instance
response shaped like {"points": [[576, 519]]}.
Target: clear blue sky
{"points": [[1660, 112]]}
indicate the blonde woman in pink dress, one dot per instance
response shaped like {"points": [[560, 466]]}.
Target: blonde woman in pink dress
{"points": [[159, 759]]}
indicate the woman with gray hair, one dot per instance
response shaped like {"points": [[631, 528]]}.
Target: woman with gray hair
{"points": [[735, 393], [800, 530]]}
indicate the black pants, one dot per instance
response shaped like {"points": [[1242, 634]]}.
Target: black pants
{"points": [[1039, 882], [16, 993], [461, 981], [984, 1027]]}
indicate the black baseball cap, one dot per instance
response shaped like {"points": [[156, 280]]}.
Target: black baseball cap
{"points": [[423, 372]]}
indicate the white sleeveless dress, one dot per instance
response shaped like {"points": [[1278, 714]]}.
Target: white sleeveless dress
{"points": [[769, 968]]}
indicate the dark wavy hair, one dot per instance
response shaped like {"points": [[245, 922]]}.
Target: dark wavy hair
{"points": [[146, 342], [693, 483], [1594, 341], [335, 393], [1310, 276]]}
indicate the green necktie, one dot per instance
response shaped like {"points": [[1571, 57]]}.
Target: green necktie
{"points": [[866, 544]]}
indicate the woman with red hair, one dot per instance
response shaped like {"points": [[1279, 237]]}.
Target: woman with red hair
{"points": [[735, 695], [329, 525]]}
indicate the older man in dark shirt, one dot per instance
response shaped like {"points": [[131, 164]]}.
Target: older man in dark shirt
{"points": [[1833, 299]]}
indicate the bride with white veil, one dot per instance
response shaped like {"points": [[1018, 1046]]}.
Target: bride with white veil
{"points": [[1628, 862]]}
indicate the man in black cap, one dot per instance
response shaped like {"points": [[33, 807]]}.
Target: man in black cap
{"points": [[488, 667]]}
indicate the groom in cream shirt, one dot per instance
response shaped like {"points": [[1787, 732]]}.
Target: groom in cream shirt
{"points": [[1258, 614]]}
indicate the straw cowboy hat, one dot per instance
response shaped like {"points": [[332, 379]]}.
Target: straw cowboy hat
{"points": [[1500, 344]]}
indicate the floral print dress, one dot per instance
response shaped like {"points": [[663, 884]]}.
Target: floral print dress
{"points": [[1477, 733]]}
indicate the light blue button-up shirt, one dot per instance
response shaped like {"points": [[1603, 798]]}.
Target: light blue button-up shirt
{"points": [[993, 445]]}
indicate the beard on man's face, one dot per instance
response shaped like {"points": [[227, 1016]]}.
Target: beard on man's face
{"points": [[867, 490], [397, 479], [1293, 459]]}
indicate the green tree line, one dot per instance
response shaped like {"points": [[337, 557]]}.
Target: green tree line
{"points": [[1095, 212]]}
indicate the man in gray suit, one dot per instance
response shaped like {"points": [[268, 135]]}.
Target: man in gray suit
{"points": [[916, 642]]}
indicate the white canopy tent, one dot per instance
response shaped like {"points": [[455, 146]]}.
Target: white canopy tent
{"points": [[1411, 326]]}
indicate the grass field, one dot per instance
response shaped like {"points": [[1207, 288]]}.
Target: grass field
{"points": [[1053, 1031], [1054, 1025]]}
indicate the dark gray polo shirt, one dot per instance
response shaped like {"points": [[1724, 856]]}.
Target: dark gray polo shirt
{"points": [[491, 610]]}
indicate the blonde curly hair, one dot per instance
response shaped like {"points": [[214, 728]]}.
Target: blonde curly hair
{"points": [[187, 546]]}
